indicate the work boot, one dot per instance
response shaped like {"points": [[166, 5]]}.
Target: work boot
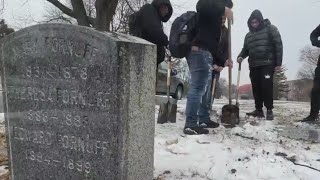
{"points": [[210, 124], [270, 115], [195, 131], [256, 113], [311, 118]]}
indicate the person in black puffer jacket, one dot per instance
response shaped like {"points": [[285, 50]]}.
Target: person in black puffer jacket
{"points": [[315, 93], [148, 25], [263, 46]]}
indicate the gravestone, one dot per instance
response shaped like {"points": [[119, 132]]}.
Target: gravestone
{"points": [[79, 104], [1, 100]]}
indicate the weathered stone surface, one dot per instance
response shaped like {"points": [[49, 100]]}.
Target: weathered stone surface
{"points": [[1, 99], [1, 102], [79, 103]]}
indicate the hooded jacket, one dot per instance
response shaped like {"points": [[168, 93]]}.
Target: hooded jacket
{"points": [[208, 33], [149, 22], [263, 45], [314, 39], [222, 53]]}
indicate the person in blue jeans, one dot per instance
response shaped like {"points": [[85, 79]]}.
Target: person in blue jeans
{"points": [[200, 61]]}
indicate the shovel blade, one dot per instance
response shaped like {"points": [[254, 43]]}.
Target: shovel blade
{"points": [[230, 115], [167, 113], [163, 100], [172, 116]]}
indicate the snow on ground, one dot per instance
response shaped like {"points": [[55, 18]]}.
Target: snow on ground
{"points": [[1, 117], [245, 152]]}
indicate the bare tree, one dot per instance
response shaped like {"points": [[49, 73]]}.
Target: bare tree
{"points": [[281, 86], [104, 15], [309, 57], [306, 72], [124, 9], [55, 15], [105, 10]]}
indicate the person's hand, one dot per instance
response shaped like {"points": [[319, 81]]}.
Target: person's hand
{"points": [[240, 59], [220, 69], [277, 68], [229, 63], [171, 66], [229, 14], [217, 68]]}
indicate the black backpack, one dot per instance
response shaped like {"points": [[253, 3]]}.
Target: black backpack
{"points": [[182, 32]]}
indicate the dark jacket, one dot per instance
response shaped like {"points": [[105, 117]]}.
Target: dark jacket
{"points": [[149, 22], [263, 45], [314, 39], [222, 52], [209, 22]]}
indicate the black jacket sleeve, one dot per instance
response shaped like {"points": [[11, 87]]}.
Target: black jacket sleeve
{"points": [[151, 26], [223, 54], [278, 46], [314, 37], [245, 51]]}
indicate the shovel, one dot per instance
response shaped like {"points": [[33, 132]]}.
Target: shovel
{"points": [[230, 113], [238, 85], [168, 106], [214, 81]]}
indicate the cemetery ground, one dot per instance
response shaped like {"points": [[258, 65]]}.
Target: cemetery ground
{"points": [[257, 149]]}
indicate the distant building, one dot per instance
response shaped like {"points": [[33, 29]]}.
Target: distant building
{"points": [[245, 91]]}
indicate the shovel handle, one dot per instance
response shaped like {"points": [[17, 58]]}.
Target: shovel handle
{"points": [[214, 81], [229, 56], [238, 85], [169, 77]]}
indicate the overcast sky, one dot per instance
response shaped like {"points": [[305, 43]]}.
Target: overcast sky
{"points": [[295, 20]]}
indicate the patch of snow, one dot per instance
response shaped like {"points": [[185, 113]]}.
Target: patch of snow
{"points": [[3, 170], [245, 152], [1, 117]]}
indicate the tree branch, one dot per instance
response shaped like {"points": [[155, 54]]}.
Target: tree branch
{"points": [[63, 8], [69, 11], [245, 137], [80, 11], [293, 160], [2, 6], [130, 6], [59, 18], [105, 9]]}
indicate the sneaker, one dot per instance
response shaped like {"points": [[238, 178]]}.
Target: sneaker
{"points": [[195, 131], [210, 124], [256, 113], [270, 115], [311, 118]]}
